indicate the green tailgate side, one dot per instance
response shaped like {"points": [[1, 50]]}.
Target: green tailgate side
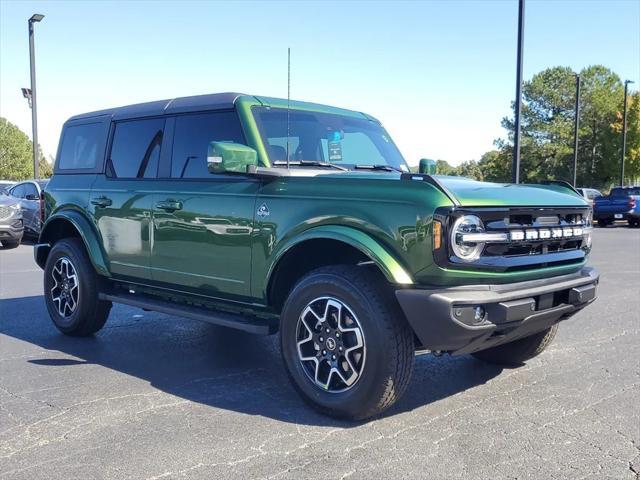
{"points": [[67, 203]]}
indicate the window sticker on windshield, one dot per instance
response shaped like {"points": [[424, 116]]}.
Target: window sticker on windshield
{"points": [[334, 146]]}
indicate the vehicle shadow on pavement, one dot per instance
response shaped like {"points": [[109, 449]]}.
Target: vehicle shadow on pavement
{"points": [[218, 367]]}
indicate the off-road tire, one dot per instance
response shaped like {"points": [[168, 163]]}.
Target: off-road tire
{"points": [[8, 244], [388, 339], [90, 313], [519, 351]]}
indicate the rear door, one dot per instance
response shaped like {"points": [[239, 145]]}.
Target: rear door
{"points": [[203, 222], [31, 207], [122, 199]]}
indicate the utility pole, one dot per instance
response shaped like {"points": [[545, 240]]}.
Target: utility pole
{"points": [[624, 132], [34, 108], [576, 126], [515, 169]]}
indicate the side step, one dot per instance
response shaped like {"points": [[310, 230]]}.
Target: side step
{"points": [[258, 326]]}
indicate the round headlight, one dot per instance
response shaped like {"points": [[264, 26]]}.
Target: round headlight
{"points": [[466, 251]]}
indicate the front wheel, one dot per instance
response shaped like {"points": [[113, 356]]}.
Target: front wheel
{"points": [[346, 345], [518, 351], [71, 290]]}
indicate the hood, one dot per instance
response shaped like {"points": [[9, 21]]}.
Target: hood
{"points": [[472, 193], [6, 200]]}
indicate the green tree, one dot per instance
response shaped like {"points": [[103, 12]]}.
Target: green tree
{"points": [[470, 169], [547, 128], [16, 154]]}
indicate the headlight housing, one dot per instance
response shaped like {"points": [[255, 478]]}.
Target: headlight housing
{"points": [[465, 250]]}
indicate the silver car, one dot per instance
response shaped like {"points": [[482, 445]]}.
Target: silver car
{"points": [[29, 195], [11, 227]]}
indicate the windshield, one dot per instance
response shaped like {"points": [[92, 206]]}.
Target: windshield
{"points": [[322, 137]]}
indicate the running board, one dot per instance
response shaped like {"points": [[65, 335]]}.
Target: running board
{"points": [[258, 326]]}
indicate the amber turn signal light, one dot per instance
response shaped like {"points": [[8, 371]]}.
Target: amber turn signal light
{"points": [[437, 234]]}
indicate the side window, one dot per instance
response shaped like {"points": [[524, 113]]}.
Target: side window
{"points": [[30, 189], [191, 141], [18, 191], [135, 151], [80, 146]]}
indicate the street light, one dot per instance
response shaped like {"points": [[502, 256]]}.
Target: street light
{"points": [[515, 168], [624, 132], [34, 109], [576, 126]]}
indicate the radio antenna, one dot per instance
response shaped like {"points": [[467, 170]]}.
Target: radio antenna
{"points": [[288, 99]]}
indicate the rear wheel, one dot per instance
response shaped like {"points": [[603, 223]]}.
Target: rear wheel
{"points": [[603, 222], [634, 222], [71, 290], [346, 345], [518, 351]]}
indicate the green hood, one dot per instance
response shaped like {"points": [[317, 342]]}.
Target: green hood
{"points": [[475, 194]]}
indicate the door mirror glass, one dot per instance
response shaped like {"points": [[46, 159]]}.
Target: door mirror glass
{"points": [[32, 196], [230, 157], [427, 166]]}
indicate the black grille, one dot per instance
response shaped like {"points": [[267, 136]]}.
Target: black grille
{"points": [[519, 255]]}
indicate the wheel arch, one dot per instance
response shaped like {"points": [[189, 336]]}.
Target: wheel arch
{"points": [[70, 223], [328, 245]]}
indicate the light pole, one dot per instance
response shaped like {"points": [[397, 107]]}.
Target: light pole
{"points": [[624, 132], [34, 108], [515, 168], [576, 126]]}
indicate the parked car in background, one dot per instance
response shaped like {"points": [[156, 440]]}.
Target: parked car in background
{"points": [[5, 185], [590, 194], [621, 204], [11, 227], [29, 194]]}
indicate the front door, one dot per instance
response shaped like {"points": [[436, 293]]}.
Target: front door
{"points": [[203, 222], [122, 200]]}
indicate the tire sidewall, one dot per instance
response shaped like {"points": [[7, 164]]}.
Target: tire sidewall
{"points": [[369, 386]]}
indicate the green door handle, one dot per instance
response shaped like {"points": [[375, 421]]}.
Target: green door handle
{"points": [[169, 205]]}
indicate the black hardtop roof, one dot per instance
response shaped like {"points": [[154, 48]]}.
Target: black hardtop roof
{"points": [[214, 101]]}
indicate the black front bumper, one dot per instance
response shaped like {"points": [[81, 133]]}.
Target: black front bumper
{"points": [[475, 317]]}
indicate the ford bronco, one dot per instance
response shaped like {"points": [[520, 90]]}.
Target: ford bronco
{"points": [[268, 216]]}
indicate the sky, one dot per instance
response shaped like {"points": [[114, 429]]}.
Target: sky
{"points": [[440, 75]]}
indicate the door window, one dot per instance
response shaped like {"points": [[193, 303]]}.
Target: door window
{"points": [[30, 189], [18, 191], [135, 151], [191, 141]]}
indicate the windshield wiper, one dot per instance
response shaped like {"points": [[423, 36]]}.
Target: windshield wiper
{"points": [[310, 163], [379, 166]]}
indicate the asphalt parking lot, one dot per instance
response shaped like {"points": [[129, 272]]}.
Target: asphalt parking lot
{"points": [[153, 396]]}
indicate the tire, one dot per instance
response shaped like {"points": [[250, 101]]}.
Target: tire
{"points": [[518, 351], [349, 300], [634, 223], [74, 310], [8, 244], [602, 222]]}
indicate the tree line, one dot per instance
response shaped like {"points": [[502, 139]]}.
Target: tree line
{"points": [[547, 134], [16, 154]]}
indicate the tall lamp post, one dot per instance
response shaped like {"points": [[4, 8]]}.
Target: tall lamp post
{"points": [[515, 168], [624, 132], [34, 108], [576, 126]]}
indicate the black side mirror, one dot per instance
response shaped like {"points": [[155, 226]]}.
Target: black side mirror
{"points": [[32, 196]]}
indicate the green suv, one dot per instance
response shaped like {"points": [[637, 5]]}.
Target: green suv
{"points": [[263, 215]]}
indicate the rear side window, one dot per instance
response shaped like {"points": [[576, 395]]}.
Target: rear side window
{"points": [[80, 145], [191, 141], [135, 151]]}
